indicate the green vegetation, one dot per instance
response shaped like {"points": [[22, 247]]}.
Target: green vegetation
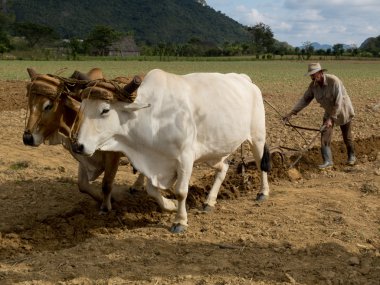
{"points": [[19, 165], [277, 77], [51, 30], [151, 22], [372, 46]]}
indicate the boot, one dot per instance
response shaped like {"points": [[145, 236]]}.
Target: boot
{"points": [[327, 158], [351, 155]]}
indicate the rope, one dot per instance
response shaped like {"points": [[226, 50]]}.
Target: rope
{"points": [[27, 106], [290, 124], [36, 123], [62, 88], [302, 128], [72, 87]]}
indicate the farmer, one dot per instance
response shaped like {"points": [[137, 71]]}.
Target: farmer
{"points": [[329, 92]]}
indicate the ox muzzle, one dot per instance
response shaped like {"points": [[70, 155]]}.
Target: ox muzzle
{"points": [[76, 147], [27, 138]]}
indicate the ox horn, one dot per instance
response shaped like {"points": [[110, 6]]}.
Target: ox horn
{"points": [[32, 73], [133, 85], [79, 75]]}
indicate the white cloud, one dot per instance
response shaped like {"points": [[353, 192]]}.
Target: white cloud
{"points": [[308, 15], [283, 26], [253, 17], [371, 29], [297, 21]]}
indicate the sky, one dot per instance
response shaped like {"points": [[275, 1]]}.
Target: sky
{"points": [[299, 21]]}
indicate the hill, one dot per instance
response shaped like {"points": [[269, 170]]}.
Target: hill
{"points": [[150, 21], [371, 45], [318, 46]]}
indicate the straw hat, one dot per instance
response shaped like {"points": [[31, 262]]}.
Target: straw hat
{"points": [[314, 68]]}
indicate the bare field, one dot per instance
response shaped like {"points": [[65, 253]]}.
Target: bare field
{"points": [[316, 228]]}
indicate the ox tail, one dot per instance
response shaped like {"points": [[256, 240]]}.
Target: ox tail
{"points": [[265, 160]]}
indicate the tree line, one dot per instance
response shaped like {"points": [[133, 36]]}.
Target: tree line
{"points": [[27, 36]]}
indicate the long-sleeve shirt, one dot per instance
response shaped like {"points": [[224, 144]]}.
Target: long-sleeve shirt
{"points": [[333, 98]]}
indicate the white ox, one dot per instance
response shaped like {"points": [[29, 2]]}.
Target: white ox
{"points": [[174, 122]]}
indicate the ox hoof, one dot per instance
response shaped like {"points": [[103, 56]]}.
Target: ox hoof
{"points": [[104, 211], [177, 228], [261, 197], [207, 208]]}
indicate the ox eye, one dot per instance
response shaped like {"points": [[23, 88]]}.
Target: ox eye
{"points": [[104, 111], [48, 107]]}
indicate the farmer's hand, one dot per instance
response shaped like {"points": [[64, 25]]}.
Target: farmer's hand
{"points": [[287, 117]]}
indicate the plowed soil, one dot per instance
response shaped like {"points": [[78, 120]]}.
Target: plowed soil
{"points": [[318, 227]]}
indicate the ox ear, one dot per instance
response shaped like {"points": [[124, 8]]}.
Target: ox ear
{"points": [[135, 107]]}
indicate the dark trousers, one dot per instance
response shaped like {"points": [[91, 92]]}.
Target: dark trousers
{"points": [[326, 136]]}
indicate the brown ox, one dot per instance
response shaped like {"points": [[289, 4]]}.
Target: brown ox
{"points": [[53, 105]]}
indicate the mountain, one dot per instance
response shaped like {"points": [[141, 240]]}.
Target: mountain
{"points": [[318, 46], [150, 21], [371, 45]]}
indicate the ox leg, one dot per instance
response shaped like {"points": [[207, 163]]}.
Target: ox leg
{"points": [[139, 183], [111, 165], [258, 153], [181, 190], [220, 174], [84, 184], [165, 203]]}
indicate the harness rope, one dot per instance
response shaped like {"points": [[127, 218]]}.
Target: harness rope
{"points": [[78, 119], [119, 94], [73, 88], [55, 98], [266, 101]]}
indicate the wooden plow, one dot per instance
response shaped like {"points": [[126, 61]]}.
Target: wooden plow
{"points": [[283, 152]]}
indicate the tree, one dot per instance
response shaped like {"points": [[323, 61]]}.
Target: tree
{"points": [[353, 50], [309, 49], [35, 33], [75, 47], [232, 49], [194, 47], [338, 50], [5, 21], [101, 38], [5, 44], [262, 37], [3, 6], [282, 48]]}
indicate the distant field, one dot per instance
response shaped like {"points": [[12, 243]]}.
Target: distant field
{"points": [[274, 77]]}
